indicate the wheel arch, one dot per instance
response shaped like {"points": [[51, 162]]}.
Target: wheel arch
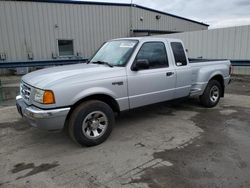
{"points": [[219, 78], [109, 100]]}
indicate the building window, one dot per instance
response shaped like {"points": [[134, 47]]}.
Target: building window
{"points": [[65, 47]]}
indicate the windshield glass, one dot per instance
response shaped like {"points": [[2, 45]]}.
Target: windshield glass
{"points": [[116, 53]]}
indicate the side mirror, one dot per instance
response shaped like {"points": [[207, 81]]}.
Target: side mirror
{"points": [[140, 64]]}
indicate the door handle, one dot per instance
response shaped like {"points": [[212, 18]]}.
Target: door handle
{"points": [[169, 73]]}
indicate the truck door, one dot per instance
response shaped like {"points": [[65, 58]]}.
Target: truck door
{"points": [[154, 80], [183, 70]]}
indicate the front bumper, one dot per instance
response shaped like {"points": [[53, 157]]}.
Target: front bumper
{"points": [[43, 119]]}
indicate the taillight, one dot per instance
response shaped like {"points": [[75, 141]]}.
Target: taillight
{"points": [[230, 69]]}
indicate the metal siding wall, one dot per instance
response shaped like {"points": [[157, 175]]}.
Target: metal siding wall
{"points": [[30, 27], [241, 70], [225, 43], [2, 29]]}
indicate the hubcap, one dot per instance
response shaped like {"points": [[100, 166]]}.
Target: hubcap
{"points": [[214, 94], [95, 124]]}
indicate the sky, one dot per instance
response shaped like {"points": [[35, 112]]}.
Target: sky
{"points": [[216, 13]]}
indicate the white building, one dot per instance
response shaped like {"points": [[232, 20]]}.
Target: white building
{"points": [[42, 30]]}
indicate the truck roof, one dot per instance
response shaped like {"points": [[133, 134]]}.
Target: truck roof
{"points": [[150, 38]]}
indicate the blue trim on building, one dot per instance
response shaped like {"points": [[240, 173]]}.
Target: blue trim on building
{"points": [[114, 4], [240, 63], [42, 63], [79, 2]]}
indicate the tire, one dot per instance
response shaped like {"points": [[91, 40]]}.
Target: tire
{"points": [[91, 123], [212, 94]]}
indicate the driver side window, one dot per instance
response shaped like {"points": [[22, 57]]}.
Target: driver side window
{"points": [[155, 53]]}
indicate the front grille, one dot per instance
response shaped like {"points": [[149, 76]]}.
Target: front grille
{"points": [[25, 91]]}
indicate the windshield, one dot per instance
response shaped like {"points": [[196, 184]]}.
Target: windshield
{"points": [[115, 53]]}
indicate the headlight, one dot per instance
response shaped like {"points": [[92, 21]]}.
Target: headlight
{"points": [[44, 96]]}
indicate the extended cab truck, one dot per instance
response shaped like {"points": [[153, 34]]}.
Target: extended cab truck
{"points": [[123, 74]]}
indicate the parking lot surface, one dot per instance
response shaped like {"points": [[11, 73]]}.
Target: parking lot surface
{"points": [[177, 144]]}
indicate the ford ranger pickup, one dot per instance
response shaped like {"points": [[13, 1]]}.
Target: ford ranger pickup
{"points": [[123, 74]]}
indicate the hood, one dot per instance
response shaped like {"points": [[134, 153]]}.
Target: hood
{"points": [[46, 78]]}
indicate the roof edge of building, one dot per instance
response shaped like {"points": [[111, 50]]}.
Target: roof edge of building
{"points": [[172, 15], [112, 4]]}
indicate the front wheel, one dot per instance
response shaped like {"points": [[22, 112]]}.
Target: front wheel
{"points": [[212, 94], [91, 123]]}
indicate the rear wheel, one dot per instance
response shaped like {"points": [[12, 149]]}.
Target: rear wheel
{"points": [[91, 123], [212, 94]]}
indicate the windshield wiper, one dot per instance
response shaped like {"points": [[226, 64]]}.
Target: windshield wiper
{"points": [[102, 63]]}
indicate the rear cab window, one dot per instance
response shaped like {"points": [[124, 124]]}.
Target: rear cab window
{"points": [[179, 54]]}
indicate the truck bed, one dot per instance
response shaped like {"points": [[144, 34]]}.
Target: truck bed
{"points": [[203, 69]]}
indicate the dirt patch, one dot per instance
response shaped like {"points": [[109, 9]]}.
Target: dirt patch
{"points": [[22, 166], [33, 169], [20, 125]]}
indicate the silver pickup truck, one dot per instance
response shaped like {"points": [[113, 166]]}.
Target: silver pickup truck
{"points": [[123, 74]]}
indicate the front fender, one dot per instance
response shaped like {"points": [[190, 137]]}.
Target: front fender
{"points": [[93, 91]]}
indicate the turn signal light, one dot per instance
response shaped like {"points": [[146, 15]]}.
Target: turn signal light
{"points": [[48, 97]]}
